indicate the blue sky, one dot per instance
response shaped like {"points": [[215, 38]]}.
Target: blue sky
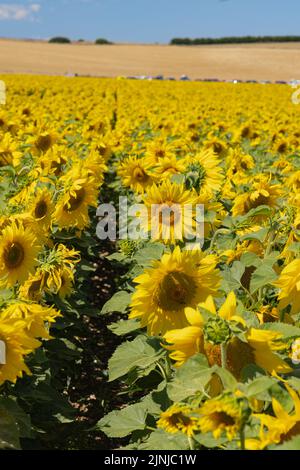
{"points": [[147, 20]]}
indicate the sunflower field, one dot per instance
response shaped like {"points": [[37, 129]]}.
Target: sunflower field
{"points": [[192, 348]]}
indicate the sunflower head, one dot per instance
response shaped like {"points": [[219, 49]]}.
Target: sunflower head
{"points": [[18, 253], [178, 418], [179, 281], [225, 414]]}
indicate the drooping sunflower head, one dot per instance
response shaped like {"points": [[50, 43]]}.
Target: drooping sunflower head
{"points": [[17, 344], [178, 418], [18, 252], [41, 208], [180, 280], [44, 141], [73, 205], [207, 166], [37, 318], [288, 284], [261, 193]]}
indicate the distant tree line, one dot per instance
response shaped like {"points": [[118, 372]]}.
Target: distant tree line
{"points": [[233, 40], [64, 40]]}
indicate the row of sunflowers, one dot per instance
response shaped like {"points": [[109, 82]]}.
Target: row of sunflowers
{"points": [[209, 337]]}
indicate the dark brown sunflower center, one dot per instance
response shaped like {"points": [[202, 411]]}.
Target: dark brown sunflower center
{"points": [[260, 201], [239, 355], [282, 148], [140, 175], [75, 201], [176, 291], [218, 147], [179, 419], [221, 418], [44, 142], [40, 210], [160, 153], [14, 255], [294, 431]]}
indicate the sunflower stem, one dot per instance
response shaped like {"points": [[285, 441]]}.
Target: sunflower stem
{"points": [[223, 355], [191, 443], [242, 438]]}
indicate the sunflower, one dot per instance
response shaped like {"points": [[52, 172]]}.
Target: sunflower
{"points": [[34, 315], [259, 348], [169, 166], [9, 154], [289, 285], [55, 274], [136, 173], [222, 415], [72, 209], [41, 208], [178, 418], [174, 199], [293, 181], [261, 193], [159, 149], [179, 280], [278, 428], [17, 344], [43, 140], [185, 342], [18, 253], [207, 165]]}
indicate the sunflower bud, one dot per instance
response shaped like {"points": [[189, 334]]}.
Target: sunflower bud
{"points": [[217, 331], [128, 247]]}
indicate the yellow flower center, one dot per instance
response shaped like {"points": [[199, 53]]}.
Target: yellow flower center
{"points": [[14, 255]]}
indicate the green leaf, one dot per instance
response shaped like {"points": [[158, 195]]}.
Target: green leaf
{"points": [[161, 440], [260, 210], [258, 386], [9, 433], [260, 235], [124, 422], [151, 252], [261, 277], [139, 354], [190, 378], [21, 418], [208, 440], [118, 303], [124, 327], [250, 259], [232, 276], [228, 380]]}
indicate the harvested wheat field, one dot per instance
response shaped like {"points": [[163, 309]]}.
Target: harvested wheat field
{"points": [[258, 61]]}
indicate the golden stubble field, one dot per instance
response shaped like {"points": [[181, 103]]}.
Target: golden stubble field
{"points": [[259, 61]]}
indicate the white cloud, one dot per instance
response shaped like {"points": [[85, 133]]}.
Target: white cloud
{"points": [[18, 12]]}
